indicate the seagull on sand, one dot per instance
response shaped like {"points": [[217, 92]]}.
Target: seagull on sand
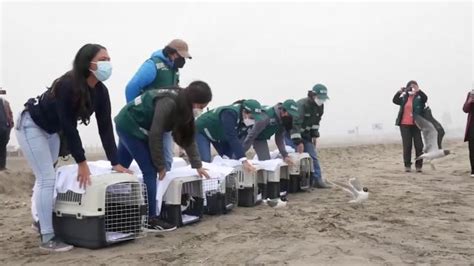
{"points": [[432, 141], [354, 188], [277, 203]]}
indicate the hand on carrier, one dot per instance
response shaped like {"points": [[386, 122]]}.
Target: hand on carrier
{"points": [[162, 174], [289, 161], [83, 174], [203, 173], [300, 148], [248, 167], [119, 168]]}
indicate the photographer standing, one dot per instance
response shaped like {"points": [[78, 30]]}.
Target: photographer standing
{"points": [[469, 136], [412, 101]]}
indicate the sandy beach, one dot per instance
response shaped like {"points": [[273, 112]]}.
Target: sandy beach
{"points": [[410, 218]]}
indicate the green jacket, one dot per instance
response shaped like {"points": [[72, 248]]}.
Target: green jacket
{"points": [[167, 77], [306, 126], [136, 117], [209, 123]]}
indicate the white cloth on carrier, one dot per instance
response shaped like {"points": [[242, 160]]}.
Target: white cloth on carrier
{"points": [[66, 178]]}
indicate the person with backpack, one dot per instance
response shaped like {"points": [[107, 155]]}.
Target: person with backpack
{"points": [[73, 97]]}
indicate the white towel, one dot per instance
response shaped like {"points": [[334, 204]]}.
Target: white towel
{"points": [[268, 165], [276, 153], [66, 179]]}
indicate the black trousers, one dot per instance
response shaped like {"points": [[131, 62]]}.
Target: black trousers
{"points": [[411, 135], [471, 154], [4, 139]]}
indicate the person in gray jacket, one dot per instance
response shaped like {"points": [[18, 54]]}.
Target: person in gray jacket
{"points": [[277, 121]]}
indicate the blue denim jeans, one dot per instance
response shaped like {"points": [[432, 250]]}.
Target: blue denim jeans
{"points": [[125, 158], [140, 151], [204, 147], [309, 148], [41, 150]]}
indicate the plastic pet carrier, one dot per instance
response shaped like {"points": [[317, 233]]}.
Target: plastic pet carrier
{"points": [[262, 181], [183, 201], [111, 210], [220, 195], [277, 181], [248, 188], [300, 172]]}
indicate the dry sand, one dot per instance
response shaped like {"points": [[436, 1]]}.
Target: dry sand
{"points": [[410, 218]]}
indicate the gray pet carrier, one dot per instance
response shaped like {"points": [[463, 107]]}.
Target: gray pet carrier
{"points": [[275, 179], [111, 210], [220, 195], [248, 187], [300, 173], [183, 201]]}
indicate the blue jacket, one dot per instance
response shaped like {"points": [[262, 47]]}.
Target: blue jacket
{"points": [[145, 75]]}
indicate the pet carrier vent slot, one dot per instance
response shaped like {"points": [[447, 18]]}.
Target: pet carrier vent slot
{"points": [[70, 197]]}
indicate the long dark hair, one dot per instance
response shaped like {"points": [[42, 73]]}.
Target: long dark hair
{"points": [[184, 129], [79, 73]]}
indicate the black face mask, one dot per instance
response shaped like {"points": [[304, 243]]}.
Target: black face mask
{"points": [[179, 62], [287, 122]]}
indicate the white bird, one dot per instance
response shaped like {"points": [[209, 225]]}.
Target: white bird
{"points": [[432, 141], [354, 188], [277, 203]]}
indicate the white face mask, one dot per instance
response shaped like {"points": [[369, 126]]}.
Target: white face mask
{"points": [[197, 112], [249, 122], [104, 70], [318, 101]]}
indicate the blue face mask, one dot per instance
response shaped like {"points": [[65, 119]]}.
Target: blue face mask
{"points": [[104, 70]]}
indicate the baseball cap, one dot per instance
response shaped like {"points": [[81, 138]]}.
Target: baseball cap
{"points": [[291, 107], [181, 47], [254, 108], [321, 91]]}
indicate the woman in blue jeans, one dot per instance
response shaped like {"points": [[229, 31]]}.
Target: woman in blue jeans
{"points": [[142, 125], [72, 97]]}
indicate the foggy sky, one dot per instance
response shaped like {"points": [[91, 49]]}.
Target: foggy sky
{"points": [[363, 52]]}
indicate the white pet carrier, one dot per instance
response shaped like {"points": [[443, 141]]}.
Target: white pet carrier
{"points": [[220, 195], [183, 201], [276, 178], [248, 187], [300, 172], [112, 209]]}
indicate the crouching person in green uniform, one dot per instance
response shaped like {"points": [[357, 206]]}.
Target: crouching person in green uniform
{"points": [[277, 120], [142, 123], [224, 127]]}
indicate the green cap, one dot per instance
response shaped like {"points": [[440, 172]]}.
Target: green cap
{"points": [[254, 108], [291, 107], [321, 91]]}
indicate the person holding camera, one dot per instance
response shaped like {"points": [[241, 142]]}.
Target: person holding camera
{"points": [[412, 102], [469, 136]]}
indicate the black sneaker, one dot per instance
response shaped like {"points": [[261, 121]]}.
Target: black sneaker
{"points": [[55, 245], [159, 225], [418, 170]]}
